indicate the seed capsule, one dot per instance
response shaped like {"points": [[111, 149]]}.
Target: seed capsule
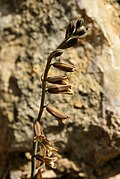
{"points": [[57, 80], [57, 114], [64, 67], [59, 89]]}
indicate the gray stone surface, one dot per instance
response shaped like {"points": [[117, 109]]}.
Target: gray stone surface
{"points": [[89, 143]]}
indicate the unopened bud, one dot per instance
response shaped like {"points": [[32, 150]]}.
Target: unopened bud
{"points": [[59, 89], [38, 129], [80, 32], [69, 43], [57, 114], [79, 23], [70, 29], [64, 66], [56, 53], [57, 80]]}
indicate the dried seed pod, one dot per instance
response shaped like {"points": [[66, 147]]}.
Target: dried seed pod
{"points": [[69, 43], [57, 114], [64, 66], [59, 89], [57, 80], [79, 23], [56, 53]]}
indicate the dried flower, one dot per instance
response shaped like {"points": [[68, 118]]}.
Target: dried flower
{"points": [[64, 89], [57, 80], [50, 161], [57, 114], [64, 67], [42, 150], [49, 146]]}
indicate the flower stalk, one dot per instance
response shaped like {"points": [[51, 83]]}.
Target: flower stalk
{"points": [[43, 150]]}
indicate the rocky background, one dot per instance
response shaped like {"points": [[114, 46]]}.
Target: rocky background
{"points": [[89, 142]]}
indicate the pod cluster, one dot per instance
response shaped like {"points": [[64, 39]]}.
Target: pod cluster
{"points": [[47, 153]]}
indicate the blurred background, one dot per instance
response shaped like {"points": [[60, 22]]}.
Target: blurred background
{"points": [[89, 142]]}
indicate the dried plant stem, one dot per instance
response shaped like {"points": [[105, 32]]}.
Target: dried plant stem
{"points": [[35, 144]]}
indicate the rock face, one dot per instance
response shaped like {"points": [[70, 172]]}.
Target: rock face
{"points": [[90, 141]]}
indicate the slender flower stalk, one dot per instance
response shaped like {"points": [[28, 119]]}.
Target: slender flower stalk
{"points": [[43, 150]]}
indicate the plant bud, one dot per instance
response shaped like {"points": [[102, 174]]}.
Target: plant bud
{"points": [[59, 89], [70, 29], [57, 80], [80, 32], [57, 114], [79, 23], [69, 43], [38, 129], [56, 53], [64, 67]]}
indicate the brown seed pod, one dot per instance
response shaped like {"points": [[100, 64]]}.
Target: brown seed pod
{"points": [[69, 43], [57, 80], [59, 89], [57, 114], [64, 66]]}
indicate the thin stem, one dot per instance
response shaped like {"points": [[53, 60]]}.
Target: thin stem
{"points": [[44, 88], [35, 144]]}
